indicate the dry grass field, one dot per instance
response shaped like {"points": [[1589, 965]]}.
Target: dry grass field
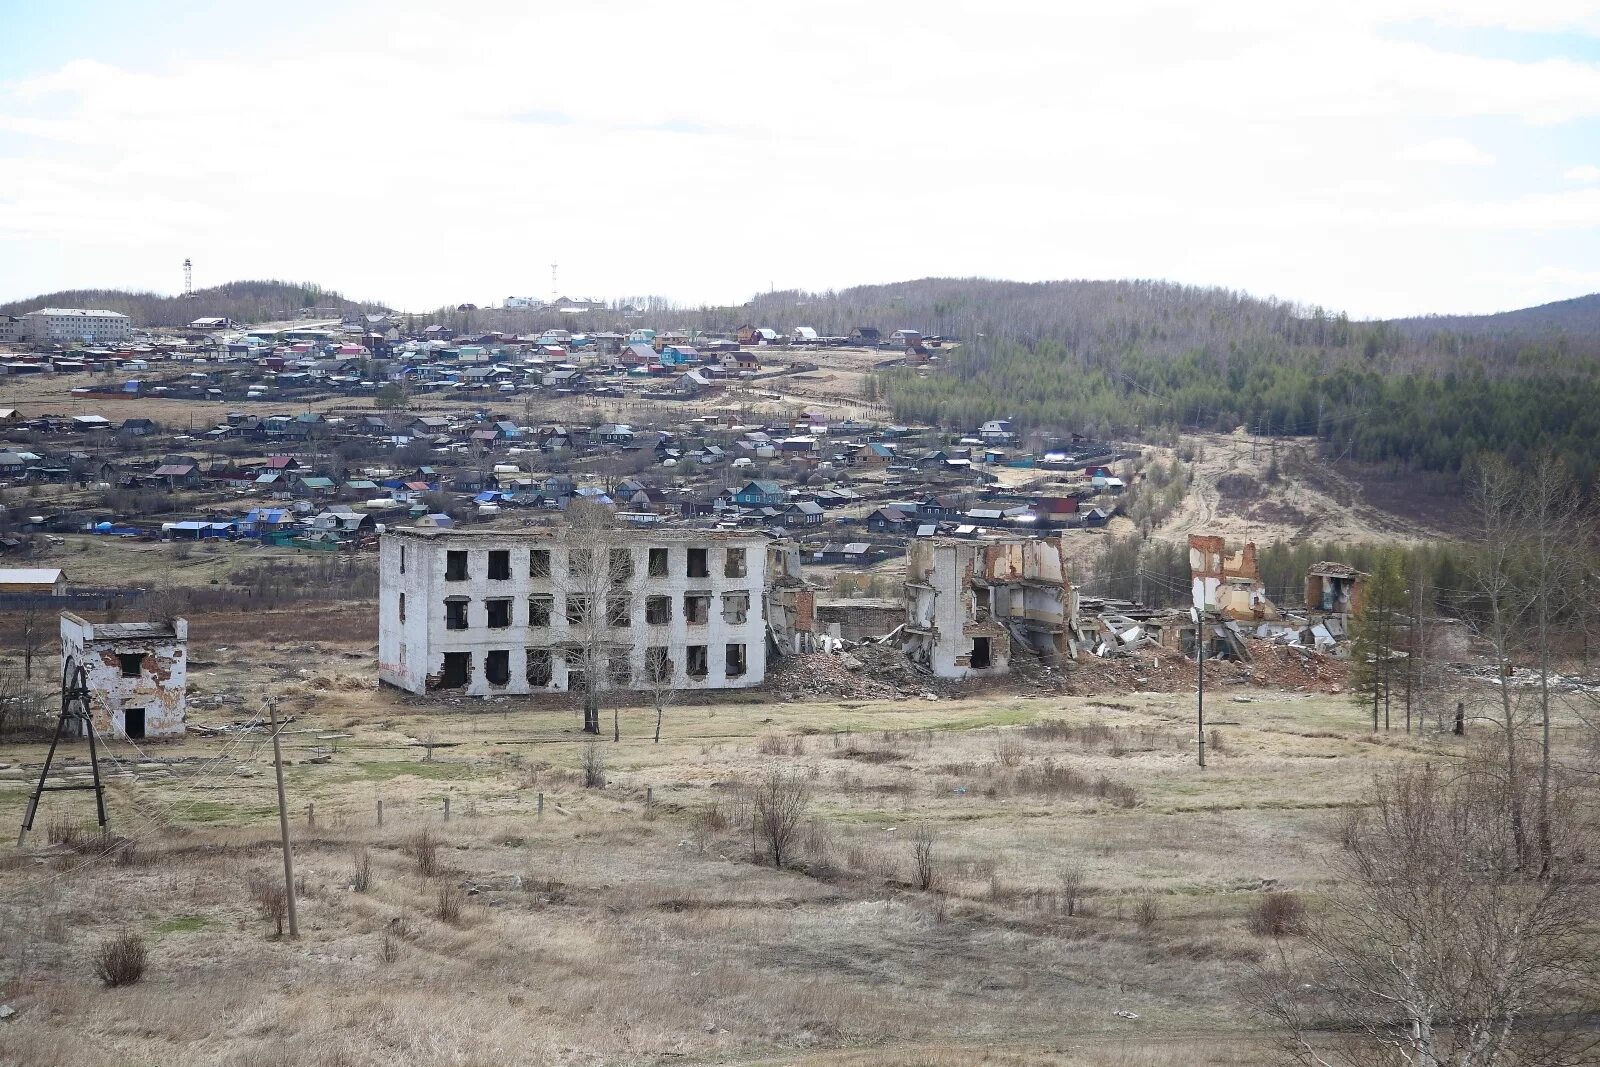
{"points": [[1081, 866]]}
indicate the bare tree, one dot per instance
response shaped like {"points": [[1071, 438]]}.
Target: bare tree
{"points": [[924, 847], [33, 619], [780, 806], [1442, 949], [659, 671], [595, 586]]}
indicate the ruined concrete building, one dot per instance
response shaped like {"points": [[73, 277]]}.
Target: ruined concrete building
{"points": [[135, 671], [1228, 584], [1334, 588], [791, 602], [970, 604], [529, 611]]}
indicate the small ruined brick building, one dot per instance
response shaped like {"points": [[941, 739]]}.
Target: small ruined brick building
{"points": [[527, 611], [970, 605], [1228, 583], [1335, 588], [136, 674]]}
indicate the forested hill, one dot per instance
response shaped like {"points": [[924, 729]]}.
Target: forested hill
{"points": [[1122, 357], [246, 302]]}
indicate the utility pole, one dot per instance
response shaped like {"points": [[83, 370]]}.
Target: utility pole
{"points": [[283, 823], [1200, 683]]}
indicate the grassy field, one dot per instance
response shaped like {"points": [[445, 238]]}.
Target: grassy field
{"points": [[1084, 866]]}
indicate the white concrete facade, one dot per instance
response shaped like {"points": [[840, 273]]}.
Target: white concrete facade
{"points": [[694, 597], [75, 324], [137, 673]]}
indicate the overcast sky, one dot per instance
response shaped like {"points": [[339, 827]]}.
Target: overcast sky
{"points": [[1383, 157]]}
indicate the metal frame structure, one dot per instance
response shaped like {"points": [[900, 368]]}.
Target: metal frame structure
{"points": [[74, 709]]}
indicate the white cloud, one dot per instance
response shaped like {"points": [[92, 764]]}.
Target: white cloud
{"points": [[419, 156], [1448, 152], [1588, 174]]}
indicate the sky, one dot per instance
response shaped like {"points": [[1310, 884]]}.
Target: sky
{"points": [[1379, 157]]}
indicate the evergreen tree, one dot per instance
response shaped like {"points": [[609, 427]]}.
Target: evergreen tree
{"points": [[1372, 667]]}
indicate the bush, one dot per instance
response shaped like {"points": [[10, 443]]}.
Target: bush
{"points": [[1146, 913], [924, 842], [449, 905], [120, 960], [1008, 750], [426, 850], [780, 807], [1277, 915], [270, 900], [361, 872], [594, 766]]}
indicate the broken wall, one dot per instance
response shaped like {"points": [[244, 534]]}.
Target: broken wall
{"points": [[1228, 583], [137, 674]]}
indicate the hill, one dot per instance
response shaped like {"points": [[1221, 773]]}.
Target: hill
{"points": [[246, 301]]}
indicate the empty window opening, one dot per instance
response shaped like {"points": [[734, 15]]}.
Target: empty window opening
{"points": [[619, 610], [657, 610], [539, 609], [982, 600], [577, 610], [455, 567], [577, 679], [133, 722], [697, 608], [658, 664], [539, 563], [131, 663], [980, 653], [497, 666], [736, 567], [580, 563], [621, 565], [455, 614], [499, 613], [402, 559], [735, 607], [540, 668], [500, 565], [619, 672], [695, 660], [457, 669], [658, 563], [402, 607], [698, 567], [735, 661]]}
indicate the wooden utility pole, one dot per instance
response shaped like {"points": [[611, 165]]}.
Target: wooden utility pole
{"points": [[1200, 684], [283, 824]]}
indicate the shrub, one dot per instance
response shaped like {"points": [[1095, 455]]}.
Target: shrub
{"points": [[270, 900], [1008, 750], [1072, 887], [120, 960], [781, 801], [449, 905], [361, 872], [1277, 915], [924, 842], [1146, 913], [426, 851], [771, 745], [594, 766]]}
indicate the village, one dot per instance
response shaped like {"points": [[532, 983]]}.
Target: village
{"points": [[535, 625]]}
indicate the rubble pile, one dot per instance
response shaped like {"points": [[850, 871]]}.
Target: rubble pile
{"points": [[869, 672]]}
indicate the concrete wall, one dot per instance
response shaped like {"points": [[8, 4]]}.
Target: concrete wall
{"points": [[412, 652], [159, 688]]}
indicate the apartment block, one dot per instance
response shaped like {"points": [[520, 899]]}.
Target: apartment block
{"points": [[971, 606], [71, 325], [481, 612]]}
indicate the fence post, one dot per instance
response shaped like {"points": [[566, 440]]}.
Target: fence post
{"points": [[380, 813], [541, 805], [311, 815], [446, 809], [649, 796]]}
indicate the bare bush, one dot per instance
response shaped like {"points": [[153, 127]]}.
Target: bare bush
{"points": [[771, 745], [120, 960], [924, 842], [361, 872], [781, 801], [594, 766], [448, 907], [1072, 887], [426, 851], [270, 900], [1277, 915], [1146, 913], [1008, 750]]}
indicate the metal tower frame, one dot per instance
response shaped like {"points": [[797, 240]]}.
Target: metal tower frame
{"points": [[74, 709]]}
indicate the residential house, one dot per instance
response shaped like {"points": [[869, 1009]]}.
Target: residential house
{"points": [[891, 520], [997, 432], [179, 475], [139, 427], [613, 433], [759, 494], [866, 335], [692, 383], [802, 513]]}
